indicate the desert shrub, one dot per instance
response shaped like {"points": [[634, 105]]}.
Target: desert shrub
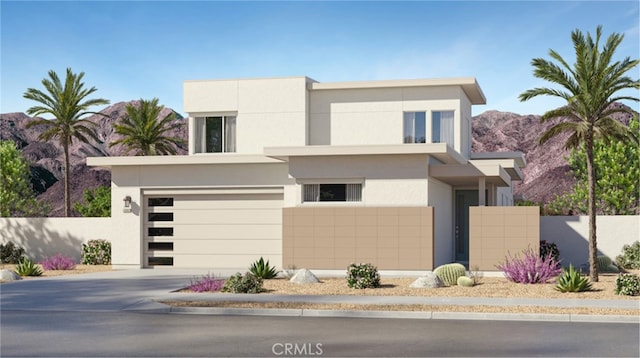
{"points": [[10, 253], [606, 265], [262, 269], [58, 262], [363, 276], [531, 268], [571, 280], [206, 283], [628, 284], [549, 248], [630, 257], [246, 283], [27, 267], [449, 273], [96, 252]]}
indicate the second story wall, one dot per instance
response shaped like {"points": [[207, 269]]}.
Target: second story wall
{"points": [[244, 116]]}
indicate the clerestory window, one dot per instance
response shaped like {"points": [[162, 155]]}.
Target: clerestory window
{"points": [[332, 192]]}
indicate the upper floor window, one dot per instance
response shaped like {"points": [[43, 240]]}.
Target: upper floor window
{"points": [[216, 134], [415, 127], [332, 192], [441, 127]]}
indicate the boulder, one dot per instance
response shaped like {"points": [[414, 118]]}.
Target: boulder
{"points": [[304, 276], [429, 280], [9, 275]]}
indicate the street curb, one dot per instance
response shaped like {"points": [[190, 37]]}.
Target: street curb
{"points": [[474, 316]]}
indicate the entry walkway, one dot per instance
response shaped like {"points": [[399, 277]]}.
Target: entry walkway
{"points": [[139, 290]]}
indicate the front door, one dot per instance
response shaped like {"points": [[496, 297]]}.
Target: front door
{"points": [[464, 199]]}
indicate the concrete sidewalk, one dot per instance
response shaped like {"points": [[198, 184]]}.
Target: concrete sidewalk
{"points": [[139, 290]]}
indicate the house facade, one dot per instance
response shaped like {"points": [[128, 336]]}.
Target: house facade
{"points": [[314, 175]]}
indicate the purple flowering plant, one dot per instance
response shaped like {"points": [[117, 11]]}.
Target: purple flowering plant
{"points": [[58, 262], [530, 268], [207, 283]]}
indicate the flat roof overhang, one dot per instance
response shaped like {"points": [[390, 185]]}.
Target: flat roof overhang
{"points": [[440, 151], [468, 174], [209, 158], [469, 85]]}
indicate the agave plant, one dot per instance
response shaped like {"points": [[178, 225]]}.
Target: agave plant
{"points": [[262, 269], [27, 267], [571, 281]]}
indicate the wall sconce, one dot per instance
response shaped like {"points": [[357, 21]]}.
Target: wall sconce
{"points": [[127, 204]]}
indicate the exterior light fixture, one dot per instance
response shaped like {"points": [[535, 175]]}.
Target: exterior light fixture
{"points": [[127, 204]]}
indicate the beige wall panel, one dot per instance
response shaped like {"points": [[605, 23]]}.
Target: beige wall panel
{"points": [[277, 95], [366, 128], [181, 176], [356, 100], [255, 131], [320, 129], [441, 199], [210, 96]]}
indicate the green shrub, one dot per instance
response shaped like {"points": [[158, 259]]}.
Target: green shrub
{"points": [[27, 267], [605, 265], [628, 284], [96, 252], [630, 257], [263, 269], [10, 253], [465, 281], [246, 283], [571, 281], [363, 276], [449, 273]]}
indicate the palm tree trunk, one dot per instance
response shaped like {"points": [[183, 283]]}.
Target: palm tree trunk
{"points": [[593, 244], [67, 199]]}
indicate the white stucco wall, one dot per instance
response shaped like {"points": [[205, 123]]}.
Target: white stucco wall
{"points": [[43, 237], [571, 235], [441, 199]]}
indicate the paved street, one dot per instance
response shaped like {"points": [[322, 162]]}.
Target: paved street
{"points": [[88, 334]]}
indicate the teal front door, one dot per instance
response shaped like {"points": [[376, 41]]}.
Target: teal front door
{"points": [[464, 199]]}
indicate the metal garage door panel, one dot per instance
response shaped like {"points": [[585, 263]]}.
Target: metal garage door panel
{"points": [[231, 201], [219, 261], [204, 231], [228, 216], [224, 247]]}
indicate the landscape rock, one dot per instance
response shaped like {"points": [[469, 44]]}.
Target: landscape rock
{"points": [[304, 276], [429, 280], [9, 275]]}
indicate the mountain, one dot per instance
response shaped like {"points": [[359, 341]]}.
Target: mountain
{"points": [[47, 159], [546, 174]]}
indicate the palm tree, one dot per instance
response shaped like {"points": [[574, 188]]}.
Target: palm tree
{"points": [[590, 88], [144, 133], [67, 104]]}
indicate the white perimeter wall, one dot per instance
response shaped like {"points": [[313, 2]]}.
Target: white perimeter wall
{"points": [[42, 237], [571, 235], [441, 199]]}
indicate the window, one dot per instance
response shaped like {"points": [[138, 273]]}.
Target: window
{"points": [[160, 201], [415, 127], [160, 216], [216, 134], [160, 246], [160, 261], [442, 127], [332, 192], [160, 231]]}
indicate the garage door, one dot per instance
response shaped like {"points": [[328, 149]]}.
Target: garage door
{"points": [[221, 230]]}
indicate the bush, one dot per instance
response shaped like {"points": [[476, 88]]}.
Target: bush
{"points": [[530, 269], [605, 265], [549, 248], [571, 281], [27, 267], [363, 276], [96, 252], [10, 253], [243, 284], [628, 284], [263, 269], [207, 283], [58, 262], [630, 257]]}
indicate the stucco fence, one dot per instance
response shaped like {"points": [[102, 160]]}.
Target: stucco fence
{"points": [[42, 237], [570, 233]]}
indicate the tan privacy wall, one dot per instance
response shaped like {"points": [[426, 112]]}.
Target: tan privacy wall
{"points": [[392, 238], [495, 231]]}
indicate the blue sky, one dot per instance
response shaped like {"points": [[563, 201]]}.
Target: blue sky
{"points": [[144, 49]]}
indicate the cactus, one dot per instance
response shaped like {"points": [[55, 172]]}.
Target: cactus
{"points": [[449, 273], [605, 265], [465, 281]]}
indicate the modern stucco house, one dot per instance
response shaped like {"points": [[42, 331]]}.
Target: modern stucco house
{"points": [[314, 175]]}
